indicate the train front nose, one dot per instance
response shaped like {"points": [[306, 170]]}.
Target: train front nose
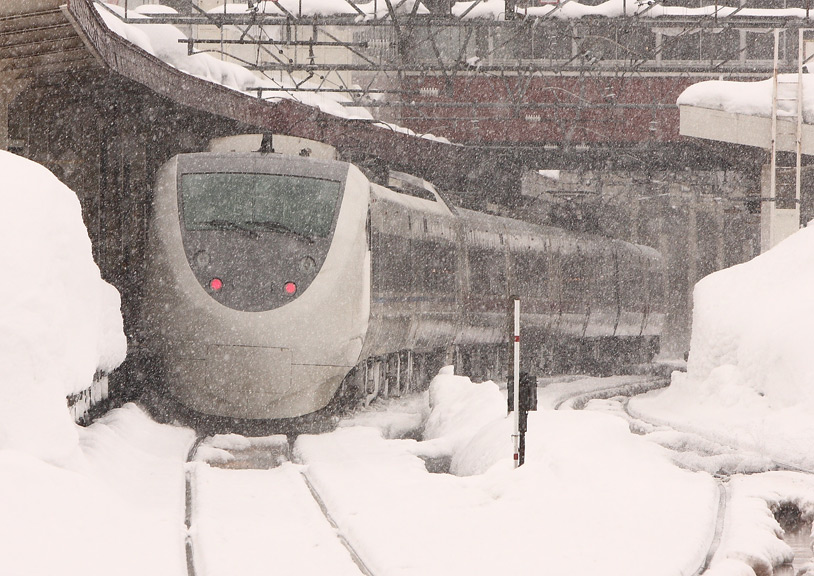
{"points": [[269, 297], [256, 382]]}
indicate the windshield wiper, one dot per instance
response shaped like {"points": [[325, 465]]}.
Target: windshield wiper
{"points": [[277, 227], [230, 225]]}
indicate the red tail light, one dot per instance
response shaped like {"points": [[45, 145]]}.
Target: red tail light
{"points": [[216, 284], [290, 288]]}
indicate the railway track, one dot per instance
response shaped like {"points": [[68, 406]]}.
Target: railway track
{"points": [[723, 460], [579, 401], [250, 507], [236, 478], [267, 464]]}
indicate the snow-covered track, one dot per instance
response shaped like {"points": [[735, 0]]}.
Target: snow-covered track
{"points": [[188, 551], [774, 463], [249, 508], [720, 522], [577, 401], [736, 460], [355, 556]]}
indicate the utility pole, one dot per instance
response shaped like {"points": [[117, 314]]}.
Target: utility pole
{"points": [[516, 375]]}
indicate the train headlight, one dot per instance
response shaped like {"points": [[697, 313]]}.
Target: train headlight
{"points": [[290, 288], [307, 264]]}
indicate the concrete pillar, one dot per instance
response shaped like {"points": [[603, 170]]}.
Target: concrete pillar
{"points": [[692, 241], [720, 229], [10, 87], [777, 220]]}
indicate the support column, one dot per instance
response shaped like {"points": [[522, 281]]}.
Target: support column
{"points": [[10, 87], [779, 216]]}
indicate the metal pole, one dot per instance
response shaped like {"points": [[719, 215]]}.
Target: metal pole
{"points": [[773, 159], [516, 406], [799, 165]]}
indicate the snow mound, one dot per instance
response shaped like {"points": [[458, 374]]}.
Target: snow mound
{"points": [[750, 329], [459, 408], [750, 379], [59, 321]]}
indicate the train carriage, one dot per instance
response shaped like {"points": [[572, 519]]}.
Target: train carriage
{"points": [[271, 277]]}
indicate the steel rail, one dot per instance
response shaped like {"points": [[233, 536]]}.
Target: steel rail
{"points": [[578, 402]]}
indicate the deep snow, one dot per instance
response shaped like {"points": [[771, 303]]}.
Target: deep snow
{"points": [[749, 375], [59, 321]]}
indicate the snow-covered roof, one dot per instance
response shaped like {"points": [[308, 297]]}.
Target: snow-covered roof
{"points": [[496, 9], [166, 43], [740, 112]]}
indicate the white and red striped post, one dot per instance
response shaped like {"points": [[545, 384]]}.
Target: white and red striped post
{"points": [[516, 407]]}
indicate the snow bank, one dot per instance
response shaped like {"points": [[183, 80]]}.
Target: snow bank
{"points": [[119, 510], [750, 378], [459, 409], [592, 498], [59, 321]]}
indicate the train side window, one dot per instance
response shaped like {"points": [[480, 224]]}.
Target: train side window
{"points": [[630, 288], [487, 271], [530, 274], [434, 264], [604, 280], [655, 287], [391, 263], [574, 278]]}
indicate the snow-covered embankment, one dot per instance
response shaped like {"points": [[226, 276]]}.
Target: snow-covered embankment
{"points": [[108, 499]]}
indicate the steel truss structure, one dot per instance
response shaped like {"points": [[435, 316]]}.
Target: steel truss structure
{"points": [[418, 66]]}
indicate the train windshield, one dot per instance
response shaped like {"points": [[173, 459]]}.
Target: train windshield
{"points": [[236, 201]]}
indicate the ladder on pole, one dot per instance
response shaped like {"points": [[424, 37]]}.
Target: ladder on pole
{"points": [[778, 219]]}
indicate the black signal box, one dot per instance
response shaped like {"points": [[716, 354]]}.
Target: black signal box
{"points": [[528, 392]]}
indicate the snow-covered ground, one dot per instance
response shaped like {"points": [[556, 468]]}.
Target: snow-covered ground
{"points": [[593, 497], [72, 500], [750, 376]]}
